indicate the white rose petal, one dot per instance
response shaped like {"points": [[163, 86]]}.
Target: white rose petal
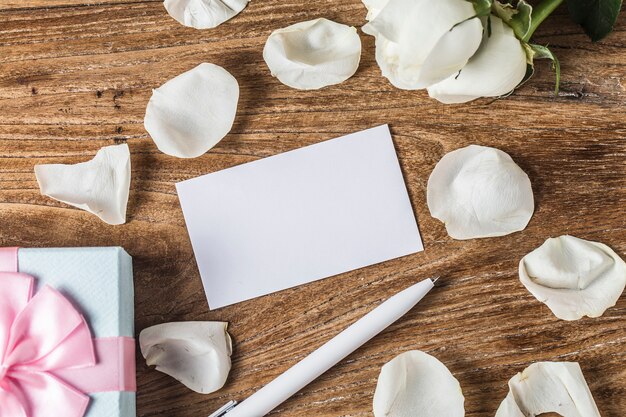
{"points": [[496, 69], [374, 7], [422, 42], [99, 186], [313, 54], [549, 387], [204, 14], [478, 191], [416, 384], [192, 112], [574, 277], [196, 353]]}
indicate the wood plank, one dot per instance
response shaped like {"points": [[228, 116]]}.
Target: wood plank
{"points": [[48, 4], [76, 75]]}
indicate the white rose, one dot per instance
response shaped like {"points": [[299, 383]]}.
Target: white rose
{"points": [[496, 69], [422, 42]]}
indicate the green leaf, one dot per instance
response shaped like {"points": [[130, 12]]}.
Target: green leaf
{"points": [[482, 7], [519, 18], [597, 17], [522, 19], [542, 52], [504, 11]]}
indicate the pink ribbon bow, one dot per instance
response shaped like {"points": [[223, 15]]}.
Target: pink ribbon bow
{"points": [[47, 354]]}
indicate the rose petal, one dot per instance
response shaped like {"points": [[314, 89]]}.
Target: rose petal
{"points": [[421, 42], [204, 14], [417, 384], [574, 277], [549, 387], [374, 7], [496, 69], [192, 112], [313, 54], [99, 186], [195, 353], [479, 191]]}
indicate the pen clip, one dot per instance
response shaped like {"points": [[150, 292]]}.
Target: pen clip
{"points": [[224, 409]]}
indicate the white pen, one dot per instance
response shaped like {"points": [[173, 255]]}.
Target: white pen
{"points": [[329, 354]]}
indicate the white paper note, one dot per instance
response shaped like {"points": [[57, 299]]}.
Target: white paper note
{"points": [[299, 216]]}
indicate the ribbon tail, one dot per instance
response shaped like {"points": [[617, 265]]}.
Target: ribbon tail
{"points": [[8, 259]]}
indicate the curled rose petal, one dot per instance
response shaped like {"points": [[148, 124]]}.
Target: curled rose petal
{"points": [[192, 112], [100, 186], [204, 14], [478, 191], [415, 383], [549, 387], [196, 353], [574, 277], [313, 54]]}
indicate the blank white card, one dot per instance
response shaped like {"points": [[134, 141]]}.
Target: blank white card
{"points": [[299, 216]]}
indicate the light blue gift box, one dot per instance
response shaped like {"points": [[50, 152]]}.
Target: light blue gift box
{"points": [[100, 282]]}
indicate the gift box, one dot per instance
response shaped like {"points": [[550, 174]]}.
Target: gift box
{"points": [[67, 328]]}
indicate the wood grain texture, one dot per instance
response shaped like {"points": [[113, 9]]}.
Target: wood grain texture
{"points": [[77, 75]]}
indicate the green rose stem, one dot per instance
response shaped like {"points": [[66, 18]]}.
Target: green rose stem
{"points": [[539, 14]]}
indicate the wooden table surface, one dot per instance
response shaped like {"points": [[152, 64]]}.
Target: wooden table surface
{"points": [[76, 76]]}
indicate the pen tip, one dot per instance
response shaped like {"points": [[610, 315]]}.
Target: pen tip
{"points": [[434, 280]]}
